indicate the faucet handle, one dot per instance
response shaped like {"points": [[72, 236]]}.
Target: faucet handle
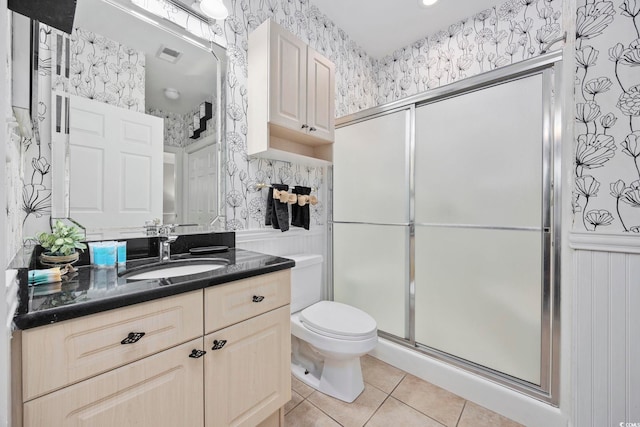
{"points": [[152, 227], [166, 229]]}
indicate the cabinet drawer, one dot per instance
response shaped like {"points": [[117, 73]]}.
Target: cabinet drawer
{"points": [[234, 302], [162, 390], [63, 353]]}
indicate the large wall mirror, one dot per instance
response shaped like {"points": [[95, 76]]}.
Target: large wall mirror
{"points": [[137, 134]]}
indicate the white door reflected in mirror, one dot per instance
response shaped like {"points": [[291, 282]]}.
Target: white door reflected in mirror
{"points": [[115, 165]]}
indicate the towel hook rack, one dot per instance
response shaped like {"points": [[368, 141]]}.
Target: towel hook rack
{"points": [[261, 185]]}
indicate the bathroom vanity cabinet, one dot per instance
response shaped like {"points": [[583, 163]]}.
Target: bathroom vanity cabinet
{"points": [[99, 369], [248, 362], [292, 89]]}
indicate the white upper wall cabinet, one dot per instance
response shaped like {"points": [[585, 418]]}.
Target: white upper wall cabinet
{"points": [[292, 97]]}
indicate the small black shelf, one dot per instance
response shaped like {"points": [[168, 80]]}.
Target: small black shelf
{"points": [[200, 118]]}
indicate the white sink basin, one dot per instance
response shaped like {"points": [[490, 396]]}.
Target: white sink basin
{"points": [[175, 269]]}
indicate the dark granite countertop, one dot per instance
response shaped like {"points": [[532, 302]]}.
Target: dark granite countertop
{"points": [[92, 290]]}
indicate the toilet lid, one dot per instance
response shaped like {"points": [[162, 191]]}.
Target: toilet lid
{"points": [[338, 320]]}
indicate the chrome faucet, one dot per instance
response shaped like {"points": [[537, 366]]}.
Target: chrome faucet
{"points": [[165, 238]]}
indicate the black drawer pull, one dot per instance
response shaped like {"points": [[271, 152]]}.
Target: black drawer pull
{"points": [[312, 129], [197, 353], [218, 344], [304, 126], [258, 298], [133, 337]]}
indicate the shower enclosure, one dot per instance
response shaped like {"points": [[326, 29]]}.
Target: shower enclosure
{"points": [[444, 227]]}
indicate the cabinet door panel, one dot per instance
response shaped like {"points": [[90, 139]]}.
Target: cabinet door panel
{"points": [[249, 377], [90, 345], [162, 390], [320, 95], [288, 78]]}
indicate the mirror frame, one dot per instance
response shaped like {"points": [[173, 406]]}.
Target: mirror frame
{"points": [[60, 196]]}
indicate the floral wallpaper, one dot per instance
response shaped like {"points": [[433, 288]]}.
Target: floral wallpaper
{"points": [[510, 32], [606, 197], [36, 191], [175, 126], [106, 71]]}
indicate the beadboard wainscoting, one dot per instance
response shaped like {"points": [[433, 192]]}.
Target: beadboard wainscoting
{"points": [[606, 318], [294, 241], [275, 242]]}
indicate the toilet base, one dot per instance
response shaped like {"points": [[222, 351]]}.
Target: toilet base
{"points": [[341, 379]]}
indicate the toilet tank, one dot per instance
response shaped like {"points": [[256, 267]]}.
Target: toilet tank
{"points": [[306, 280]]}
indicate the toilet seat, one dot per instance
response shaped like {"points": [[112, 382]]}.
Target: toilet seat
{"points": [[339, 321]]}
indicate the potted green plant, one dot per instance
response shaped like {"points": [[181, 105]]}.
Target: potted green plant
{"points": [[61, 244]]}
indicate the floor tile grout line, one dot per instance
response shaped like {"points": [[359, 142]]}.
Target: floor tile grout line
{"points": [[397, 385], [298, 404], [324, 412], [460, 416], [377, 388], [377, 409], [418, 410]]}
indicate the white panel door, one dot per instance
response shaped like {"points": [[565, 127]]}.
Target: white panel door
{"points": [[371, 170], [200, 179], [115, 165]]}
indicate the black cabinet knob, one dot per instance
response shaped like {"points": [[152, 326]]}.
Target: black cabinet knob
{"points": [[311, 129], [304, 126], [133, 337], [197, 353], [218, 344], [257, 298]]}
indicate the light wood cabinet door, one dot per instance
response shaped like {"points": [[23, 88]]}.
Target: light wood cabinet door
{"points": [[248, 377], [234, 302], [320, 96], [64, 353], [288, 79], [161, 390]]}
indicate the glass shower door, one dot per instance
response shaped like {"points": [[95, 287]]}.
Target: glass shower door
{"points": [[371, 218], [480, 231]]}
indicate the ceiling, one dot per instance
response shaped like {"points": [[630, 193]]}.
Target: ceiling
{"points": [[382, 26], [194, 75]]}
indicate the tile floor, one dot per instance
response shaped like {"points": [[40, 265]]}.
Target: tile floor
{"points": [[391, 397]]}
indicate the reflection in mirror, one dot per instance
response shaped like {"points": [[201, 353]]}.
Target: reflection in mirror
{"points": [[142, 108]]}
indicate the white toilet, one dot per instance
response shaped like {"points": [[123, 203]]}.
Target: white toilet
{"points": [[327, 338]]}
